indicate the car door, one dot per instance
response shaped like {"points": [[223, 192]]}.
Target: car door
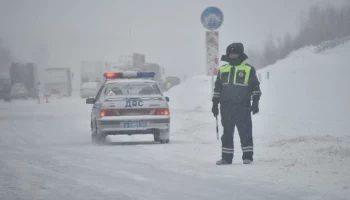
{"points": [[96, 109]]}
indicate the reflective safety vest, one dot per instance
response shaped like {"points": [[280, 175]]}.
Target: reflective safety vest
{"points": [[240, 75], [235, 82]]}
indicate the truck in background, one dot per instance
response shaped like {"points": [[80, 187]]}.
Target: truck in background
{"points": [[172, 81], [92, 75], [92, 71], [5, 86], [157, 69], [139, 63], [25, 74], [58, 81]]}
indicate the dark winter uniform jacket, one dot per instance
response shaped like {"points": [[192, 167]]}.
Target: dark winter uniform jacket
{"points": [[237, 84]]}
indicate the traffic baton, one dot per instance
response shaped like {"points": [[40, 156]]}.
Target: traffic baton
{"points": [[217, 128]]}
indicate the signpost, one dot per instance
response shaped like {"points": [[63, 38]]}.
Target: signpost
{"points": [[212, 18]]}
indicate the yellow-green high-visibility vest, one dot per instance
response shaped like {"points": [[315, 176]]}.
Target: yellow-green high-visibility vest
{"points": [[240, 75], [225, 73]]}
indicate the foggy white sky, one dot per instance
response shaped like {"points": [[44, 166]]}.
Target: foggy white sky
{"points": [[167, 31]]}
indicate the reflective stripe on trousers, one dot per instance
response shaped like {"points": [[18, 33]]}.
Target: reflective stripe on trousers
{"points": [[216, 94], [247, 149], [239, 116]]}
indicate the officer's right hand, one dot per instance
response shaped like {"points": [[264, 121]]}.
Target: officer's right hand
{"points": [[215, 100], [255, 107], [215, 110]]}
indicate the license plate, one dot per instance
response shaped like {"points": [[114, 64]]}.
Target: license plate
{"points": [[134, 124]]}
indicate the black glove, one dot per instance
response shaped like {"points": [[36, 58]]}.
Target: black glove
{"points": [[215, 109], [255, 107], [215, 100]]}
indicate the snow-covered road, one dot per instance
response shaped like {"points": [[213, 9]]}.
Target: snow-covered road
{"points": [[45, 153]]}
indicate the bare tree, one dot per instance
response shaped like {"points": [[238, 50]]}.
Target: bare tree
{"points": [[254, 58], [317, 25], [270, 54]]}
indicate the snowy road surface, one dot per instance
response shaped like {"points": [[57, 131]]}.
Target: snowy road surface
{"points": [[45, 153]]}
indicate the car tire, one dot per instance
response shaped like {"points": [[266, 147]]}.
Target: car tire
{"points": [[156, 137], [98, 139], [94, 139], [165, 141]]}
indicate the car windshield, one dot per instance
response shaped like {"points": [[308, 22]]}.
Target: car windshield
{"points": [[132, 89]]}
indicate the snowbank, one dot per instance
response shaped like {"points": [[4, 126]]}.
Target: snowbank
{"points": [[303, 127], [309, 91], [192, 95], [301, 134]]}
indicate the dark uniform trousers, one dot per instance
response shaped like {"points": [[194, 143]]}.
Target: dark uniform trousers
{"points": [[240, 116]]}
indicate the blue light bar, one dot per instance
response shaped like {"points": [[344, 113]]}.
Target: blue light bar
{"points": [[146, 74]]}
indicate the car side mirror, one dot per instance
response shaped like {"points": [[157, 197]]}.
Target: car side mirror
{"points": [[90, 101], [167, 99]]}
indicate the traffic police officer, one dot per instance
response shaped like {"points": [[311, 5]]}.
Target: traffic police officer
{"points": [[236, 87]]}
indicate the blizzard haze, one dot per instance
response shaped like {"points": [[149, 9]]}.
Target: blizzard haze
{"points": [[53, 140], [62, 33]]}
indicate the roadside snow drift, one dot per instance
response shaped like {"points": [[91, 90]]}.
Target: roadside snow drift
{"points": [[192, 95], [308, 93], [304, 118], [302, 130]]}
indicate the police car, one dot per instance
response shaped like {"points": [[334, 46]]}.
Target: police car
{"points": [[130, 103]]}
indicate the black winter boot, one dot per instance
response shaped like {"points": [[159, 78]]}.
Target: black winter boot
{"points": [[223, 162], [247, 161]]}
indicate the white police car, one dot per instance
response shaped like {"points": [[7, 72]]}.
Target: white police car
{"points": [[130, 103]]}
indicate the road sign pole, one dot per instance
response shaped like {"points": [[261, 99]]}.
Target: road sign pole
{"points": [[130, 46], [212, 55], [212, 84], [212, 18]]}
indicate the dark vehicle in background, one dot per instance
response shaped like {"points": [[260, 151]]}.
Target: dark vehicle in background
{"points": [[172, 81], [25, 74], [19, 91], [5, 86], [158, 70], [140, 64], [165, 83]]}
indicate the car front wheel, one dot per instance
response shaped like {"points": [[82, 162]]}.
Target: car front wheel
{"points": [[156, 137], [98, 139], [165, 141], [96, 136]]}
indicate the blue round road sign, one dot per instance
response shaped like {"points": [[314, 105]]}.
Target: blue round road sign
{"points": [[212, 18]]}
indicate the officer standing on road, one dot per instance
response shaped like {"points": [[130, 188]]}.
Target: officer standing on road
{"points": [[235, 87]]}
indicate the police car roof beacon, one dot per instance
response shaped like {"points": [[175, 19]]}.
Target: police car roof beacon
{"points": [[129, 74]]}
